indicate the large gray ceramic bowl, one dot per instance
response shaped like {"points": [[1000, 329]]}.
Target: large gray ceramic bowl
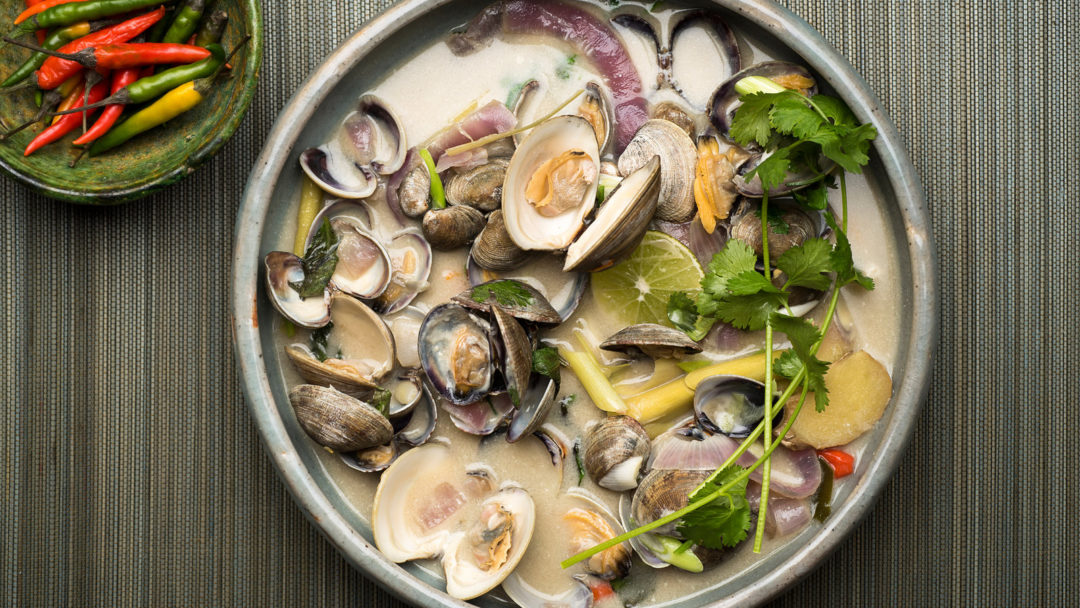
{"points": [[393, 37]]}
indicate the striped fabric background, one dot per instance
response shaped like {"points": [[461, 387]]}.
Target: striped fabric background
{"points": [[130, 473]]}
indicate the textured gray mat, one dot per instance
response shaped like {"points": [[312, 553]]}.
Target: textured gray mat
{"points": [[130, 473]]}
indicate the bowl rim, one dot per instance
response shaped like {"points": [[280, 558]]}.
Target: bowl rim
{"points": [[908, 396], [253, 24]]}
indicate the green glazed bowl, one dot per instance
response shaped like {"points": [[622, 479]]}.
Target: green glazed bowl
{"points": [[150, 161]]}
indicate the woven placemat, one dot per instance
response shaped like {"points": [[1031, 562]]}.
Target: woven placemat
{"points": [[131, 474]]}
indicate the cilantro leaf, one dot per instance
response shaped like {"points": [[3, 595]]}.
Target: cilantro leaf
{"points": [[725, 520], [546, 362], [841, 261], [803, 336], [794, 116], [815, 196], [683, 314], [751, 122], [750, 282], [319, 262], [751, 312], [836, 110], [507, 292], [806, 265], [733, 292], [380, 400], [772, 170]]}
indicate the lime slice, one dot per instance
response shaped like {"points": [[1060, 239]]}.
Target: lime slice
{"points": [[637, 289]]}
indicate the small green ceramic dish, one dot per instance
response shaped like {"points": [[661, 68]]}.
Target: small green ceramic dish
{"points": [[152, 160]]}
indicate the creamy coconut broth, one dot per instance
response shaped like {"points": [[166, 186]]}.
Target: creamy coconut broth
{"points": [[865, 320]]}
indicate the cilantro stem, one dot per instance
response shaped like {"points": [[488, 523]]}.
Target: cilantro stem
{"points": [[438, 195], [766, 472]]}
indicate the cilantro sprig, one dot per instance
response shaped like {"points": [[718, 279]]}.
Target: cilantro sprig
{"points": [[506, 292], [816, 136]]}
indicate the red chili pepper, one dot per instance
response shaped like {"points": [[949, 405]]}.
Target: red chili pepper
{"points": [[56, 70], [138, 54], [69, 122], [842, 463], [33, 8], [601, 590], [109, 116]]}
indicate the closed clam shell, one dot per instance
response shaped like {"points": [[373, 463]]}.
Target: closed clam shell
{"points": [[614, 450], [414, 193], [746, 227], [675, 114], [332, 372], [453, 227], [494, 249], [652, 340], [338, 421], [480, 187], [678, 159]]}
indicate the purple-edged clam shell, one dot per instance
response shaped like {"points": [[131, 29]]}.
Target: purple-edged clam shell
{"points": [[725, 100], [451, 331], [411, 257], [482, 417], [564, 295]]}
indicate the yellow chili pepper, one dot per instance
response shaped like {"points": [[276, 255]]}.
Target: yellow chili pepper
{"points": [[169, 106], [311, 199]]}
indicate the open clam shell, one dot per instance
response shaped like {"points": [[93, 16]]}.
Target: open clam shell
{"points": [[547, 143], [534, 408], [563, 290], [283, 269], [457, 354], [526, 303], [725, 100], [364, 268], [594, 107], [410, 258]]}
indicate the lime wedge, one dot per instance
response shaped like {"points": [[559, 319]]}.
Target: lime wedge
{"points": [[637, 289]]}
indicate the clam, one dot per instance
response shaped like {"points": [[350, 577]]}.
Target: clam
{"points": [[406, 391], [482, 417], [731, 405], [562, 290], [426, 508], [678, 159], [405, 327], [494, 249], [422, 420], [364, 268], [676, 114], [410, 259], [789, 226], [356, 211], [535, 404], [621, 222], [554, 442], [652, 340], [792, 180], [371, 141], [594, 108], [517, 355], [452, 227], [551, 184], [725, 100], [480, 187], [414, 191], [519, 299], [372, 460], [590, 528], [614, 450], [368, 349], [456, 353], [338, 421], [282, 271]]}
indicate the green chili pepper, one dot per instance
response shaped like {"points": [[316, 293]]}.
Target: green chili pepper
{"points": [[187, 19], [67, 14], [212, 28], [56, 39], [156, 33]]}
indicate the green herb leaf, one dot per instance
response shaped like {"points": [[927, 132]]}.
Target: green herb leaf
{"points": [[380, 400], [571, 60], [842, 263], [507, 292], [793, 115], [803, 336], [733, 292], [562, 72], [546, 362], [815, 196], [724, 521], [773, 169], [807, 265], [578, 460], [683, 314], [752, 121], [834, 109], [318, 341], [318, 263]]}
